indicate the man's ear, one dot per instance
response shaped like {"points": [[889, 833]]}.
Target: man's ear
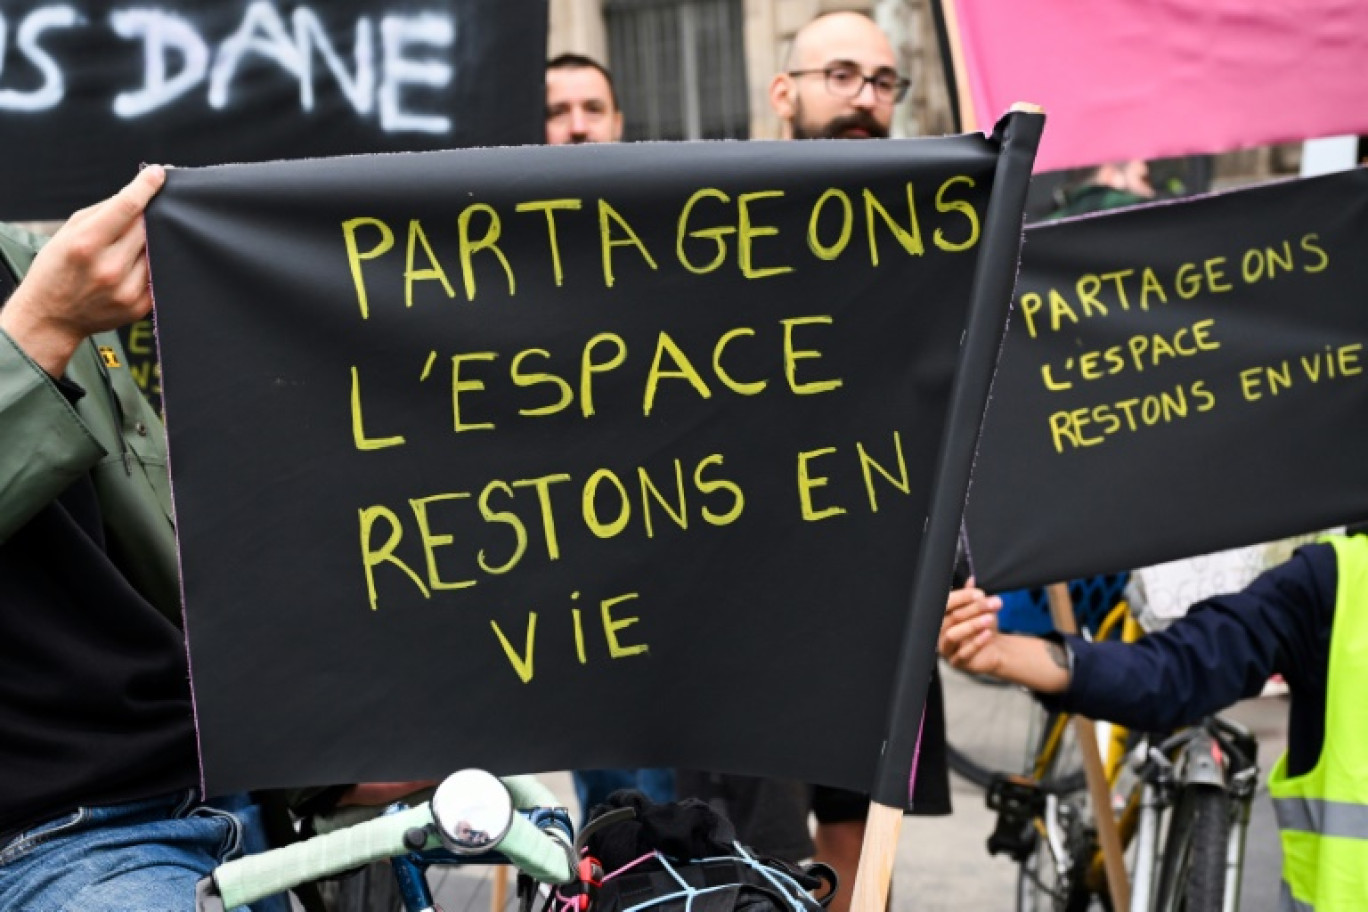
{"points": [[782, 96], [617, 126]]}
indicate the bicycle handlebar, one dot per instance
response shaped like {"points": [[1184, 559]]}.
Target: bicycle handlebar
{"points": [[545, 855]]}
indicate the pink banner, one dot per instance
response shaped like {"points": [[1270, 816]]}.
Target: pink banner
{"points": [[1125, 79]]}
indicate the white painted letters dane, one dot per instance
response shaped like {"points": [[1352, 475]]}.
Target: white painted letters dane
{"points": [[375, 74]]}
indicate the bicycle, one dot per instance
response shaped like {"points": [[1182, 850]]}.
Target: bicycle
{"points": [[472, 817], [1202, 778]]}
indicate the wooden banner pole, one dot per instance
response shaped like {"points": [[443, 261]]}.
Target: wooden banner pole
{"points": [[1062, 614], [498, 892], [877, 854]]}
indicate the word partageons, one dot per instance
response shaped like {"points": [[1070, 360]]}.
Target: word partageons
{"points": [[713, 231], [387, 63], [1094, 296]]}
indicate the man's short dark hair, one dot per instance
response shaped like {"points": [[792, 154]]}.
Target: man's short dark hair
{"points": [[581, 62]]}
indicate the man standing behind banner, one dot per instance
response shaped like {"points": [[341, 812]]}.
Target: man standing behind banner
{"points": [[581, 103], [841, 82]]}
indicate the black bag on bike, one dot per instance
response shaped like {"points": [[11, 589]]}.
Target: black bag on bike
{"points": [[698, 863]]}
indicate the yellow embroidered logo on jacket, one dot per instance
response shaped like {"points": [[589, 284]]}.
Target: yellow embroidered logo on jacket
{"points": [[111, 357]]}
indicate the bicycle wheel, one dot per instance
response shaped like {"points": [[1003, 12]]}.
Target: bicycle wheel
{"points": [[991, 727], [1062, 761], [994, 728], [1192, 871]]}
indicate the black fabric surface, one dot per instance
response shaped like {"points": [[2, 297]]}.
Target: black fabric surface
{"points": [[119, 727]]}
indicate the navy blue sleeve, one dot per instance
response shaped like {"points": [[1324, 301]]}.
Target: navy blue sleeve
{"points": [[1222, 651]]}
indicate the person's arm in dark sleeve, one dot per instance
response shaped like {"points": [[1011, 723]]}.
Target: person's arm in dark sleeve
{"points": [[1222, 651]]}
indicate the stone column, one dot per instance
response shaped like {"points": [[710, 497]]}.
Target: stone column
{"points": [[576, 26]]}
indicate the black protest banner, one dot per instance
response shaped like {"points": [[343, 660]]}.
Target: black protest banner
{"points": [[93, 89], [561, 457], [1176, 380]]}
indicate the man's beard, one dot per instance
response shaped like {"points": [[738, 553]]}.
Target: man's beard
{"points": [[836, 129]]}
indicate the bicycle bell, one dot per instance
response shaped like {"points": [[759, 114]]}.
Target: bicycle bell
{"points": [[473, 811]]}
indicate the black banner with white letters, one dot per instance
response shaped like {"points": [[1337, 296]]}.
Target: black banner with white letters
{"points": [[90, 90]]}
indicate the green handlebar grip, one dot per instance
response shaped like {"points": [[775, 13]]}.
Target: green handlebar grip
{"points": [[542, 854], [248, 879]]}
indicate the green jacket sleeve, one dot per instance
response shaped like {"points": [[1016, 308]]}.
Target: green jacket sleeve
{"points": [[46, 445], [112, 434]]}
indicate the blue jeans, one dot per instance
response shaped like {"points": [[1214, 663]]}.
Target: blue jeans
{"points": [[145, 855]]}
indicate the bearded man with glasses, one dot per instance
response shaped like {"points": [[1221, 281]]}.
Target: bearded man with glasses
{"points": [[842, 81]]}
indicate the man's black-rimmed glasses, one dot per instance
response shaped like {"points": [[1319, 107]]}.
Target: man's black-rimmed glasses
{"points": [[845, 80]]}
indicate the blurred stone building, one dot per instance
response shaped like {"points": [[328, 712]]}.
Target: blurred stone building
{"points": [[700, 69]]}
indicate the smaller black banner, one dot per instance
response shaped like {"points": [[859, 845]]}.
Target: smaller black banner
{"points": [[1178, 379]]}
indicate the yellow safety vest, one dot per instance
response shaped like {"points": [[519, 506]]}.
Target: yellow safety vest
{"points": [[1323, 814]]}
